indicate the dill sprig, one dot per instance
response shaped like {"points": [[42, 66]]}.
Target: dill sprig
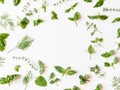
{"points": [[24, 43], [27, 78], [116, 83], [26, 60], [1, 60], [6, 22], [105, 9]]}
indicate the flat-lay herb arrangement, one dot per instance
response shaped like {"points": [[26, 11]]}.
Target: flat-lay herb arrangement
{"points": [[60, 72]]}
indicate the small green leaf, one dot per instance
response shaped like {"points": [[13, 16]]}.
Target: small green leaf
{"points": [[91, 49], [108, 54], [41, 66], [59, 69], [116, 20], [71, 8], [17, 2], [71, 72], [41, 81], [99, 87], [52, 75], [99, 3], [116, 60], [106, 64], [2, 1], [54, 15], [16, 68], [118, 33], [37, 22], [24, 22], [100, 17], [4, 35]]}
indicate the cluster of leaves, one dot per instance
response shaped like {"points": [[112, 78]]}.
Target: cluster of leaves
{"points": [[96, 70], [53, 79], [67, 71], [8, 79], [116, 83], [115, 61], [73, 88], [84, 79]]}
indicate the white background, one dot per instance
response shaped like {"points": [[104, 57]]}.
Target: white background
{"points": [[61, 42]]}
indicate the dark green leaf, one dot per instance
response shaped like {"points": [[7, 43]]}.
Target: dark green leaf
{"points": [[71, 72], [24, 22], [2, 1], [17, 2], [101, 17], [99, 87], [116, 20], [106, 64], [108, 54], [37, 22], [54, 15], [71, 8], [99, 3], [91, 49]]}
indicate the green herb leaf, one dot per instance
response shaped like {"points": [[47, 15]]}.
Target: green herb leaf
{"points": [[59, 69], [16, 68], [75, 18], [88, 0], [99, 87], [24, 43], [8, 79], [106, 64], [3, 36], [41, 66], [71, 8], [27, 78], [116, 20], [54, 15], [100, 17], [71, 72], [108, 54], [24, 22], [84, 79], [17, 2], [37, 22], [99, 3], [118, 33], [2, 1], [41, 81]]}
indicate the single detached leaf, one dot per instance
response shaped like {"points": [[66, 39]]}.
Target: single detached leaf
{"points": [[2, 1], [71, 72], [116, 60], [41, 81], [88, 0], [91, 49], [116, 20], [16, 68], [99, 3], [24, 22], [41, 66], [108, 54], [106, 64], [4, 35], [17, 2], [99, 87], [100, 17], [71, 8], [37, 22], [59, 69], [118, 33], [54, 15]]}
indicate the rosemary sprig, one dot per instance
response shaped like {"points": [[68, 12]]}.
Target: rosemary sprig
{"points": [[6, 22], [27, 78], [26, 60], [105, 9], [24, 43], [1, 60], [116, 83]]}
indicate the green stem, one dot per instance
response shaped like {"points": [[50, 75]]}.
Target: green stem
{"points": [[12, 49]]}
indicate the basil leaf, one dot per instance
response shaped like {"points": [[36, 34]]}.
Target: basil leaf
{"points": [[59, 69], [41, 81]]}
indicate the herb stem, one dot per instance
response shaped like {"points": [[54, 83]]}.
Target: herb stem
{"points": [[12, 49]]}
